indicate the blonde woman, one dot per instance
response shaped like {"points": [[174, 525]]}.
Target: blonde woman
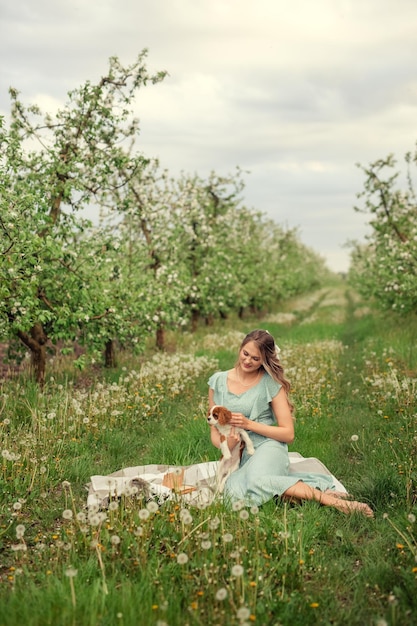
{"points": [[256, 391]]}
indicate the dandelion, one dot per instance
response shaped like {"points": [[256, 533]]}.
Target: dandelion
{"points": [[244, 514], [411, 518], [214, 523], [206, 545], [187, 519], [152, 506], [144, 514], [20, 531], [71, 572], [243, 613], [254, 510], [115, 540], [113, 506], [227, 537], [237, 570], [19, 546], [94, 520], [221, 594], [17, 506], [354, 438], [314, 605], [182, 558], [67, 514], [238, 505], [66, 484]]}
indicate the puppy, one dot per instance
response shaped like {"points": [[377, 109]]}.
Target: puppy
{"points": [[220, 417]]}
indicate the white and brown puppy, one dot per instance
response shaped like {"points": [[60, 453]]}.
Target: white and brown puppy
{"points": [[220, 417]]}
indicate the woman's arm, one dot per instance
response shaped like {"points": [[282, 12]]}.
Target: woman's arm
{"points": [[284, 432]]}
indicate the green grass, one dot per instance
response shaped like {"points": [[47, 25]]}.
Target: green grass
{"points": [[354, 376]]}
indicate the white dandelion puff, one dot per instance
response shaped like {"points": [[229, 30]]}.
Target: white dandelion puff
{"points": [[144, 514], [221, 594], [182, 558], [152, 506], [71, 572], [242, 613], [237, 570]]}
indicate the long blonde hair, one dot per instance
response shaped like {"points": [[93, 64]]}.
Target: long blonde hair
{"points": [[270, 359]]}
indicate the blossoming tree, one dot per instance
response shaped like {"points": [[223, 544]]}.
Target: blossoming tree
{"points": [[73, 154], [385, 268], [165, 252]]}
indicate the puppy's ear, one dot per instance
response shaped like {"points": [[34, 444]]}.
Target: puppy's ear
{"points": [[224, 415]]}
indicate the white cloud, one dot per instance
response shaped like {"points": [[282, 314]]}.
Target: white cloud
{"points": [[296, 92]]}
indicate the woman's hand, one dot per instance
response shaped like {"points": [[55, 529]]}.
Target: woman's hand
{"points": [[233, 439], [240, 421]]}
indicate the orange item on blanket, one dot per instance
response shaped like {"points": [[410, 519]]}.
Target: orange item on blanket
{"points": [[175, 481]]}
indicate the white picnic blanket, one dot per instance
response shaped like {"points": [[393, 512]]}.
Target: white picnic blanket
{"points": [[199, 477]]}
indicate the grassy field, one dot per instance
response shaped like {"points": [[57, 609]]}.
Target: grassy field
{"points": [[354, 376]]}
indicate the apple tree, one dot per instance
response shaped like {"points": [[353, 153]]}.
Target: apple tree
{"points": [[67, 160], [385, 267]]}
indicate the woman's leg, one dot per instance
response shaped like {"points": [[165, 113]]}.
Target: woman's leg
{"points": [[261, 476], [301, 491]]}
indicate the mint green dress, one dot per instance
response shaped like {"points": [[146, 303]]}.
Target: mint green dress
{"points": [[265, 474]]}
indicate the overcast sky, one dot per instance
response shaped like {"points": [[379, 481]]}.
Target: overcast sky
{"points": [[295, 92]]}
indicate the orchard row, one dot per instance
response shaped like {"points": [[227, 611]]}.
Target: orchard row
{"points": [[156, 253]]}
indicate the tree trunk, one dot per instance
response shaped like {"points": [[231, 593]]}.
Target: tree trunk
{"points": [[110, 359], [160, 337], [36, 340], [195, 316]]}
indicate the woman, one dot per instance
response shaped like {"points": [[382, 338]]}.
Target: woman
{"points": [[257, 393]]}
